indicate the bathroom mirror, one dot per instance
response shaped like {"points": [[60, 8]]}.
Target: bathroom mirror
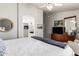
{"points": [[70, 25], [5, 25]]}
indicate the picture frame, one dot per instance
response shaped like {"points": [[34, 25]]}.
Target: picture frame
{"points": [[26, 27], [58, 23], [39, 26]]}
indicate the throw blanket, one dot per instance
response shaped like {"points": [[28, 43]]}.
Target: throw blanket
{"points": [[2, 48]]}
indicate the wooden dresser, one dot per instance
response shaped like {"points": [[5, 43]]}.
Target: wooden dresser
{"points": [[62, 37]]}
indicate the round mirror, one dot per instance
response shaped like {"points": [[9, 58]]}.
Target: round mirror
{"points": [[5, 25]]}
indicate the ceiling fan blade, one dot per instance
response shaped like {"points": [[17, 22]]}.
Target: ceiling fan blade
{"points": [[42, 6]]}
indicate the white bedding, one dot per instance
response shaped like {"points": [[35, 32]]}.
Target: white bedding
{"points": [[33, 47]]}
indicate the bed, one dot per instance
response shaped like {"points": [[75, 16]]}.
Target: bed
{"points": [[32, 47]]}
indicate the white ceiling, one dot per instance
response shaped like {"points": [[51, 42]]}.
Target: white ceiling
{"points": [[65, 7]]}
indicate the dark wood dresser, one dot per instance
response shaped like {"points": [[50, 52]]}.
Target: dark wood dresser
{"points": [[62, 37]]}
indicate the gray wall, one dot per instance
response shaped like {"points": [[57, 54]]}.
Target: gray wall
{"points": [[9, 11], [48, 24]]}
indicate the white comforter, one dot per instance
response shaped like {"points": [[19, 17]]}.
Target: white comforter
{"points": [[33, 47]]}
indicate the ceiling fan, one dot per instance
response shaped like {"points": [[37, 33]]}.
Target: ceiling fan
{"points": [[50, 6]]}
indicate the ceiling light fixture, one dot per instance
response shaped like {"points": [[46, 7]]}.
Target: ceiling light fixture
{"points": [[58, 4], [50, 6]]}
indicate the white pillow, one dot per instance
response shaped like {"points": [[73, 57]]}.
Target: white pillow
{"points": [[74, 46], [76, 40]]}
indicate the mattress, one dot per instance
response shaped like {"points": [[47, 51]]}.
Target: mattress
{"points": [[32, 47]]}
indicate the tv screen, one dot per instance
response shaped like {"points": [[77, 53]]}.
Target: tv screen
{"points": [[58, 30]]}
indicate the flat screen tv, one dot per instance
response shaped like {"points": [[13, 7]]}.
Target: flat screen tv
{"points": [[58, 30]]}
